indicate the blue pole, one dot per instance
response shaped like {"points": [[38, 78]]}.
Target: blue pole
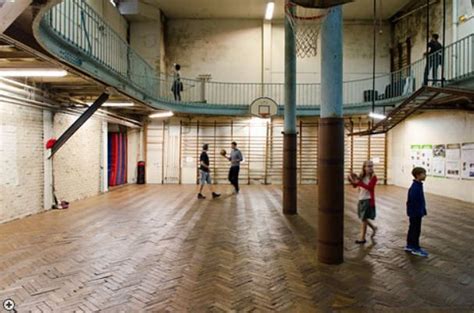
{"points": [[290, 134], [331, 144]]}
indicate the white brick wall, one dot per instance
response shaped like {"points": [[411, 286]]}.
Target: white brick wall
{"points": [[77, 164], [21, 161]]}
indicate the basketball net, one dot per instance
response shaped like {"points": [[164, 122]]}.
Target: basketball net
{"points": [[306, 24]]}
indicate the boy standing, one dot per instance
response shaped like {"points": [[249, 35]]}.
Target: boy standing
{"points": [[205, 173], [416, 209]]}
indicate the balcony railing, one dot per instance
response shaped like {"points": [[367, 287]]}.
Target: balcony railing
{"points": [[75, 22]]}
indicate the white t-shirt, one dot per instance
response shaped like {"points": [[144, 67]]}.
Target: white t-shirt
{"points": [[364, 194]]}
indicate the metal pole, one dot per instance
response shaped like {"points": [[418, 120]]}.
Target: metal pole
{"points": [[331, 143], [444, 42], [290, 132], [374, 51], [78, 123]]}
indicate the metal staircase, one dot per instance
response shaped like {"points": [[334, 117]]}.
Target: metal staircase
{"points": [[423, 98]]}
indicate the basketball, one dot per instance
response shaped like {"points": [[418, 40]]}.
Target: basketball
{"points": [[223, 152]]}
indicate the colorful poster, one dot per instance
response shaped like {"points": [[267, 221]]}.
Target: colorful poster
{"points": [[439, 160], [415, 155], [467, 160], [427, 158], [453, 160], [422, 156]]}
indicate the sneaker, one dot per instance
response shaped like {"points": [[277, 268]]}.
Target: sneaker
{"points": [[200, 196], [420, 252], [215, 195], [408, 249]]}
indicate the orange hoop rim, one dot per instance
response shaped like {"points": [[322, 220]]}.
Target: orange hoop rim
{"points": [[303, 18]]}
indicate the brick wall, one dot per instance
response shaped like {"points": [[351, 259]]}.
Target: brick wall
{"points": [[21, 161], [77, 163]]}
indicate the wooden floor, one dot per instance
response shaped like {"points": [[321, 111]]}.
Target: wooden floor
{"points": [[159, 249]]}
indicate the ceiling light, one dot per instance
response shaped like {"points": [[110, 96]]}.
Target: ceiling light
{"points": [[161, 114], [118, 104], [114, 104], [269, 11], [32, 72], [377, 116]]}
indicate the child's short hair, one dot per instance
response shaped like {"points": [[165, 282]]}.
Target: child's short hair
{"points": [[417, 171]]}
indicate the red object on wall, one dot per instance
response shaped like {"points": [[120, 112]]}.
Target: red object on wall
{"points": [[50, 143], [117, 149]]}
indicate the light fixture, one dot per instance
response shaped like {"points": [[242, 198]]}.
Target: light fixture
{"points": [[118, 104], [115, 104], [32, 72], [377, 116], [269, 11], [161, 114]]}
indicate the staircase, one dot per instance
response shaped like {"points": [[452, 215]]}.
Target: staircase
{"points": [[423, 97]]}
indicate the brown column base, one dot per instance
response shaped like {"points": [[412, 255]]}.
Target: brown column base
{"points": [[290, 142], [331, 191]]}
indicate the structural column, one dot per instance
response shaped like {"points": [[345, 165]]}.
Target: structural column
{"points": [[290, 133], [331, 143]]}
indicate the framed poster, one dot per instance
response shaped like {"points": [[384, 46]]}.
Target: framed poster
{"points": [[467, 160], [415, 155], [427, 158], [453, 160], [439, 160]]}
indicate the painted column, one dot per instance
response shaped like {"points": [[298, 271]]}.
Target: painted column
{"points": [[48, 133], [290, 134], [331, 143]]}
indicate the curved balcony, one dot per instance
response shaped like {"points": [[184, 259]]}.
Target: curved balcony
{"points": [[75, 33]]}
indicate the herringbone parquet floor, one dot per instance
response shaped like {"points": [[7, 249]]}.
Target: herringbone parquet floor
{"points": [[159, 249]]}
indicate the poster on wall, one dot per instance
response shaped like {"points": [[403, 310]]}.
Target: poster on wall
{"points": [[415, 155], [427, 158], [422, 155], [453, 160], [439, 160], [467, 160]]}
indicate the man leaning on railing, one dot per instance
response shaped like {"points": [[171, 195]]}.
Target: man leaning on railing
{"points": [[434, 59]]}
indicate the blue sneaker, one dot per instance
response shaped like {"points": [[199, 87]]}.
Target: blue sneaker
{"points": [[408, 249], [420, 252]]}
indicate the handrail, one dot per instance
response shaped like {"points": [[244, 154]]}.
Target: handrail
{"points": [[77, 24]]}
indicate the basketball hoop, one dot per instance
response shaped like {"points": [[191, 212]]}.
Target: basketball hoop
{"points": [[306, 23], [264, 107]]}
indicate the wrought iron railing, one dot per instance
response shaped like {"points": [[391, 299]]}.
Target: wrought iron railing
{"points": [[79, 25]]}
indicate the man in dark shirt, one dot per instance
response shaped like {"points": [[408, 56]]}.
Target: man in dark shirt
{"points": [[434, 58], [205, 172]]}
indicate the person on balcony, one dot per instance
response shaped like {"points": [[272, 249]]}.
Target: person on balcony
{"points": [[434, 58], [177, 86]]}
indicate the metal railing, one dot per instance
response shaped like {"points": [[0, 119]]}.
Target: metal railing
{"points": [[79, 25]]}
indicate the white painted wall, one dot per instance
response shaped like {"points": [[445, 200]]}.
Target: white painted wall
{"points": [[21, 161], [77, 163], [230, 50], [430, 128], [133, 154], [358, 38], [250, 51], [147, 39]]}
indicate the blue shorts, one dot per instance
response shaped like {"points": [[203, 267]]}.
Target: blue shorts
{"points": [[205, 177]]}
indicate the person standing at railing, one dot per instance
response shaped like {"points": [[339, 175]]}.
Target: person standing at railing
{"points": [[433, 59], [177, 86]]}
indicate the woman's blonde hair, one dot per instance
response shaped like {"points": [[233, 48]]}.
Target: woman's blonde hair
{"points": [[363, 173]]}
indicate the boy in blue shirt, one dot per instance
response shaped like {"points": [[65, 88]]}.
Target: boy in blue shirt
{"points": [[416, 209]]}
